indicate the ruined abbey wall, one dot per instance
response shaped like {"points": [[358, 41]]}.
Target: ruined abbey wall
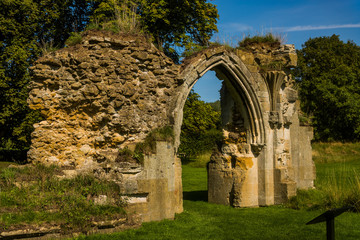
{"points": [[111, 91], [99, 96]]}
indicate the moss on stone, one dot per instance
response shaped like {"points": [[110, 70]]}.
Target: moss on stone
{"points": [[148, 146]]}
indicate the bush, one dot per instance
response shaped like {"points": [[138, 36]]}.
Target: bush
{"points": [[13, 155], [200, 131], [328, 74], [75, 38], [193, 50], [160, 134], [267, 39], [195, 145]]}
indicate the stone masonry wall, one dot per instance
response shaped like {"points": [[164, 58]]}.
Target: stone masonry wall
{"points": [[98, 96], [101, 96]]}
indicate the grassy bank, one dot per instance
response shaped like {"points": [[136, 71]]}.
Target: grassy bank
{"points": [[5, 164], [37, 195]]}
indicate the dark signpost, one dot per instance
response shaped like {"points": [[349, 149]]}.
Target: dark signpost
{"points": [[329, 217]]}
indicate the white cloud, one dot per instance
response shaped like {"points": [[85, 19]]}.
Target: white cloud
{"points": [[310, 27]]}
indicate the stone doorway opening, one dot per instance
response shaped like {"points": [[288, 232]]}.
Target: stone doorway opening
{"points": [[233, 169], [201, 132]]}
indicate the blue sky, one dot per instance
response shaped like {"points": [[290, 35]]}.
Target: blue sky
{"points": [[295, 20]]}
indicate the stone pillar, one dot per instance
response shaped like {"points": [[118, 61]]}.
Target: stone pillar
{"points": [[269, 168], [233, 170], [160, 182], [304, 167]]}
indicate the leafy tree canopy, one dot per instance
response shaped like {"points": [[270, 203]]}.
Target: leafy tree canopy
{"points": [[200, 128], [172, 23], [30, 27], [25, 27], [329, 75]]}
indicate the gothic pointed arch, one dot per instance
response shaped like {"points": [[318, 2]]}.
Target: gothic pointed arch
{"points": [[233, 71]]}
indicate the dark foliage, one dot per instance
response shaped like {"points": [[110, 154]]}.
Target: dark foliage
{"points": [[329, 76], [200, 131], [28, 28]]}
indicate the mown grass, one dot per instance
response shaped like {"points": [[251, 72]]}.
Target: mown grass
{"points": [[202, 220], [199, 162], [34, 195]]}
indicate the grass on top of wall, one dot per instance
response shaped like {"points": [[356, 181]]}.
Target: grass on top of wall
{"points": [[5, 164]]}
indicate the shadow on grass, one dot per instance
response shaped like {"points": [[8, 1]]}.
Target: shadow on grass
{"points": [[196, 196]]}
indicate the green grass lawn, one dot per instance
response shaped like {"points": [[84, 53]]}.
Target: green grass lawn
{"points": [[337, 179], [202, 220]]}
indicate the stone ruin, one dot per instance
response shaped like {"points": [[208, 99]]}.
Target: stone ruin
{"points": [[107, 94]]}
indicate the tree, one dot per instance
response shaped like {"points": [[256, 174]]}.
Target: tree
{"points": [[26, 25], [179, 23], [171, 23], [200, 128], [17, 50], [329, 76]]}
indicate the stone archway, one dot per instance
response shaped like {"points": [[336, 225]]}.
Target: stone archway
{"points": [[228, 66], [233, 172]]}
